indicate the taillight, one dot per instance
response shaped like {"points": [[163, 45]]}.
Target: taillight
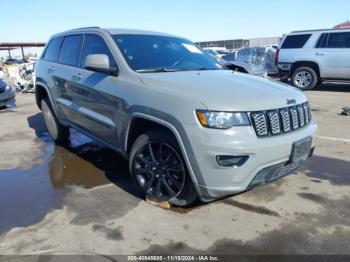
{"points": [[276, 56]]}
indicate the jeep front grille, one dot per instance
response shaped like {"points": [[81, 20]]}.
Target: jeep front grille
{"points": [[279, 121]]}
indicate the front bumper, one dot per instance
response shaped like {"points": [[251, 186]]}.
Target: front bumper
{"points": [[284, 71], [7, 98], [215, 181]]}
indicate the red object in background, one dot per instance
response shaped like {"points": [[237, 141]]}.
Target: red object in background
{"points": [[276, 56], [345, 25]]}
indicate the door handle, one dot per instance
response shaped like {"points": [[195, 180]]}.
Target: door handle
{"points": [[77, 76], [320, 54], [51, 69]]}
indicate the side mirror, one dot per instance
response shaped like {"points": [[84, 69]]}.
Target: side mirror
{"points": [[99, 63]]}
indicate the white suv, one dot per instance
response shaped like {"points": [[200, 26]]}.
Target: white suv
{"points": [[310, 57]]}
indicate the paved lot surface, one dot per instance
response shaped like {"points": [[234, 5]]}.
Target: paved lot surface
{"points": [[79, 198]]}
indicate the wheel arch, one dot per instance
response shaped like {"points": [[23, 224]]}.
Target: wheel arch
{"points": [[42, 91], [153, 122], [140, 123], [311, 64]]}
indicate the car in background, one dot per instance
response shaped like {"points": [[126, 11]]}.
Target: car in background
{"points": [[213, 53], [25, 77], [256, 61], [229, 57], [13, 61], [7, 95], [250, 60], [310, 57], [218, 52]]}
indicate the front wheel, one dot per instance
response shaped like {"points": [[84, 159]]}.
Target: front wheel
{"points": [[158, 169], [305, 78]]}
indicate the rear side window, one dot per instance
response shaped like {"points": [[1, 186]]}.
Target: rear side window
{"points": [[322, 41], [339, 40], [94, 44], [295, 41], [51, 52], [70, 50]]}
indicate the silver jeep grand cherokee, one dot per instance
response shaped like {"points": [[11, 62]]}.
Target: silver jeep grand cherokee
{"points": [[189, 127]]}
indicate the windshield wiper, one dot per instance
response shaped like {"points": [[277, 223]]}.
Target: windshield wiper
{"points": [[167, 69], [157, 70], [203, 69]]}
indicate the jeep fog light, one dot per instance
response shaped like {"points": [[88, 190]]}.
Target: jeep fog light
{"points": [[231, 161]]}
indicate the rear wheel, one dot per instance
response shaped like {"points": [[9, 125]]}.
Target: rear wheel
{"points": [[305, 78], [58, 132], [158, 169]]}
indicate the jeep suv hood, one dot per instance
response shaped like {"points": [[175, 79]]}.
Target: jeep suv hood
{"points": [[225, 90]]}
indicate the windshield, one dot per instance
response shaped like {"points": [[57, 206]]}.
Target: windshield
{"points": [[151, 53]]}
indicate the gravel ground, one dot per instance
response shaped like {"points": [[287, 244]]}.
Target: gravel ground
{"points": [[78, 199]]}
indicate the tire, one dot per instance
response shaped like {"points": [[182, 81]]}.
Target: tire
{"points": [[148, 176], [304, 78], [58, 132]]}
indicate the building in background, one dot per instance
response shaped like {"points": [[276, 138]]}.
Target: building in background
{"points": [[345, 25], [239, 43], [228, 44]]}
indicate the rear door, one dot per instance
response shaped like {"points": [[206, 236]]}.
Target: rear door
{"points": [[46, 67], [333, 55], [65, 80]]}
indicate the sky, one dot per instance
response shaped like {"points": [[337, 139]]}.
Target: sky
{"points": [[198, 20]]}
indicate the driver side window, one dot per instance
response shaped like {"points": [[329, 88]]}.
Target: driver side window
{"points": [[94, 44]]}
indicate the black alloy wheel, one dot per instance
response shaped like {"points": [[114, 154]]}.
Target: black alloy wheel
{"points": [[159, 170]]}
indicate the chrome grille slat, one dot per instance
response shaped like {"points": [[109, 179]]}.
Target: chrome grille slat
{"points": [[279, 121], [295, 119], [286, 124], [306, 113], [274, 122], [301, 116], [260, 123]]}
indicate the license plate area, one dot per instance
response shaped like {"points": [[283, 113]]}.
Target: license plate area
{"points": [[301, 150]]}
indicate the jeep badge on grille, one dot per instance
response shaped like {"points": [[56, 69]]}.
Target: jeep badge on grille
{"points": [[291, 101]]}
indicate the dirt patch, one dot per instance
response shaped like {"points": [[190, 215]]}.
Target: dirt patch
{"points": [[250, 208], [266, 193], [336, 171], [334, 212], [288, 240], [111, 234]]}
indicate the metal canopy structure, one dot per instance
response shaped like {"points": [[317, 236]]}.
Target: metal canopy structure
{"points": [[14, 45]]}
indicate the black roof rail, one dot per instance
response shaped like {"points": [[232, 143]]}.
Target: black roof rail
{"points": [[314, 30], [88, 27]]}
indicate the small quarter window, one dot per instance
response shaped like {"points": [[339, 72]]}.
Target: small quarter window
{"points": [[322, 42], [295, 41], [51, 52]]}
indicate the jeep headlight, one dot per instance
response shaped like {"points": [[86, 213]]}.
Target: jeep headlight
{"points": [[222, 120], [7, 88]]}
